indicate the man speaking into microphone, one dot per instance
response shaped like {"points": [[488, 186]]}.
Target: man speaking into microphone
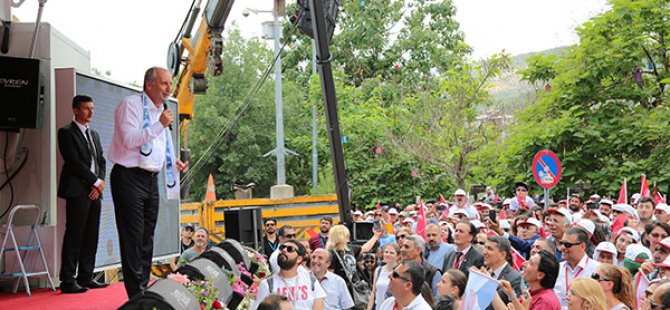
{"points": [[141, 147]]}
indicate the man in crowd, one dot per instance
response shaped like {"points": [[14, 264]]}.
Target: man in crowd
{"points": [[645, 210], [410, 251], [187, 237], [540, 273], [543, 244], [437, 249], [285, 233], [497, 252], [465, 255], [405, 286], [522, 202], [661, 251], [605, 207], [527, 232], [576, 263], [662, 212], [575, 204], [319, 240], [660, 298], [462, 204], [270, 240], [200, 244], [301, 288], [337, 294], [559, 221]]}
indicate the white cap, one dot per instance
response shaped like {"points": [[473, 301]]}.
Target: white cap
{"points": [[635, 197], [408, 220], [506, 202], [478, 224], [587, 225], [561, 211], [608, 247], [601, 216], [631, 232], [413, 213], [530, 221], [442, 223], [460, 211], [665, 243], [663, 207], [665, 263], [594, 197], [393, 211], [460, 192], [504, 224], [626, 208], [358, 212], [606, 201], [484, 206]]}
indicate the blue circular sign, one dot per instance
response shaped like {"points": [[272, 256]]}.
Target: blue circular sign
{"points": [[547, 169]]}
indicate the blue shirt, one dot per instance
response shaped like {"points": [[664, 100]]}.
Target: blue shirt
{"points": [[436, 257]]}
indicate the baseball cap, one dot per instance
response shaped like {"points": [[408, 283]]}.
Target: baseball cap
{"points": [[413, 213], [506, 202], [393, 211], [530, 221], [608, 247], [484, 206], [504, 224], [630, 231], [478, 224], [408, 220], [663, 207], [606, 201], [586, 225], [665, 243], [601, 217], [404, 214], [189, 226], [626, 208], [358, 212], [665, 263], [561, 211], [461, 212], [460, 192], [594, 197]]}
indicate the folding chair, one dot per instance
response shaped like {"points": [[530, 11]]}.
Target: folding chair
{"points": [[9, 243]]}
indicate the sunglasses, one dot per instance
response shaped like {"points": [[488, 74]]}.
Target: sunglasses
{"points": [[378, 214], [599, 278], [270, 224], [401, 236], [288, 248], [481, 242], [369, 262], [396, 275], [290, 236], [567, 244], [657, 235]]}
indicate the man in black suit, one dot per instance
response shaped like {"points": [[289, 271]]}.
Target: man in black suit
{"points": [[81, 185], [465, 255], [498, 262]]}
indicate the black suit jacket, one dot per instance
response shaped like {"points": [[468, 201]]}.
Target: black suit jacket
{"points": [[514, 277], [76, 177], [472, 258]]}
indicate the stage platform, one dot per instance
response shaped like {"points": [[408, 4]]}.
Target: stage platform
{"points": [[109, 298]]}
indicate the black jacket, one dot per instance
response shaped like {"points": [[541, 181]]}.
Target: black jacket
{"points": [[472, 258], [76, 178]]}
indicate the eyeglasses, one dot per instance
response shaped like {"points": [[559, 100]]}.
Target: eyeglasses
{"points": [[655, 305], [401, 236], [481, 242], [369, 262], [378, 214], [290, 236], [270, 224], [599, 278], [521, 189], [567, 244], [396, 275], [288, 248]]}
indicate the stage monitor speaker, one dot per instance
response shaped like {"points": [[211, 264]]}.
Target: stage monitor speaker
{"points": [[363, 231], [164, 294], [22, 92], [244, 225], [205, 269], [236, 251], [222, 259]]}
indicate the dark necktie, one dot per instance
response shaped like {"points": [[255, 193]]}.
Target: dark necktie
{"points": [[91, 148], [457, 259]]}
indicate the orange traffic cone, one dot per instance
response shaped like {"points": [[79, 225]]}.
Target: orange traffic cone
{"points": [[211, 191]]}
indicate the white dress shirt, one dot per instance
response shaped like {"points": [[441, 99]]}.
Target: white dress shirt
{"points": [[129, 135], [337, 293], [417, 304], [91, 167], [584, 269]]}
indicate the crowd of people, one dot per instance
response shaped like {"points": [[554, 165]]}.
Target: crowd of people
{"points": [[574, 254]]}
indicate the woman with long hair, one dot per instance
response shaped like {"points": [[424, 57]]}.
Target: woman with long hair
{"points": [[381, 280], [338, 245], [617, 284], [586, 294], [452, 285]]}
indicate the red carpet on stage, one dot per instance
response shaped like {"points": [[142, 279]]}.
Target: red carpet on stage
{"points": [[109, 298]]}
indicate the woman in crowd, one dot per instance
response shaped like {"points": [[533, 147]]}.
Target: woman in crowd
{"points": [[586, 294], [617, 284], [624, 238], [452, 285], [446, 231], [339, 247], [381, 279], [606, 253]]}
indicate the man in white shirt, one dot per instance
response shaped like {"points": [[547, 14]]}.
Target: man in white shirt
{"points": [[405, 285], [337, 293], [576, 263], [462, 204], [302, 289], [139, 152]]}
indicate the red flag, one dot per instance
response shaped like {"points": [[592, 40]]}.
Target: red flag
{"points": [[379, 205], [641, 286], [442, 201], [644, 190], [421, 222], [623, 193], [517, 259], [618, 223], [657, 196]]}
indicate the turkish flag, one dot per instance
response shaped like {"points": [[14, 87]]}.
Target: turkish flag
{"points": [[644, 190], [623, 193], [421, 222], [517, 259]]}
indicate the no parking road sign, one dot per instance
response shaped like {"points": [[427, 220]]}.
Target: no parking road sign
{"points": [[547, 169]]}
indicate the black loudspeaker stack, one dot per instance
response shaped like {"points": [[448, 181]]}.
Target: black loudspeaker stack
{"points": [[244, 225], [22, 92]]}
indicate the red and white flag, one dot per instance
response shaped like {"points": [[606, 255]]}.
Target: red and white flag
{"points": [[421, 222], [641, 285], [657, 196], [379, 205], [644, 190], [623, 193], [517, 259]]}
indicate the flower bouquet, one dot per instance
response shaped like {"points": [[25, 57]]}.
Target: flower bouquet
{"points": [[204, 291]]}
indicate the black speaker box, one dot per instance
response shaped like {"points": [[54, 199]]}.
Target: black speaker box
{"points": [[363, 231], [205, 269], [244, 225], [164, 294], [222, 259], [22, 92]]}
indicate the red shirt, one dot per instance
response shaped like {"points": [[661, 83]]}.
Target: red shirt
{"points": [[544, 299]]}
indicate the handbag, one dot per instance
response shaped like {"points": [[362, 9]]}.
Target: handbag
{"points": [[360, 290]]}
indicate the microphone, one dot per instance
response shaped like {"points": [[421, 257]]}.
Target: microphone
{"points": [[165, 107]]}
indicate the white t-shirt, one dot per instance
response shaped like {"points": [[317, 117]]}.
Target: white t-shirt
{"points": [[417, 304], [298, 290]]}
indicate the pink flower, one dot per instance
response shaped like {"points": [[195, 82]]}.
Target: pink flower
{"points": [[179, 278]]}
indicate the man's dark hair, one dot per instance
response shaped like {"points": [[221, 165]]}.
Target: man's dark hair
{"points": [[282, 230], [646, 199], [431, 200], [665, 298], [272, 302], [189, 227], [301, 248], [503, 245], [79, 99], [269, 219], [446, 303], [415, 273], [581, 234], [578, 196], [329, 219], [473, 230], [549, 266]]}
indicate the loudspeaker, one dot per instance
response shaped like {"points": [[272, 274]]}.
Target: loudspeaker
{"points": [[164, 294], [222, 259], [363, 231], [21, 92], [244, 225], [205, 269]]}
